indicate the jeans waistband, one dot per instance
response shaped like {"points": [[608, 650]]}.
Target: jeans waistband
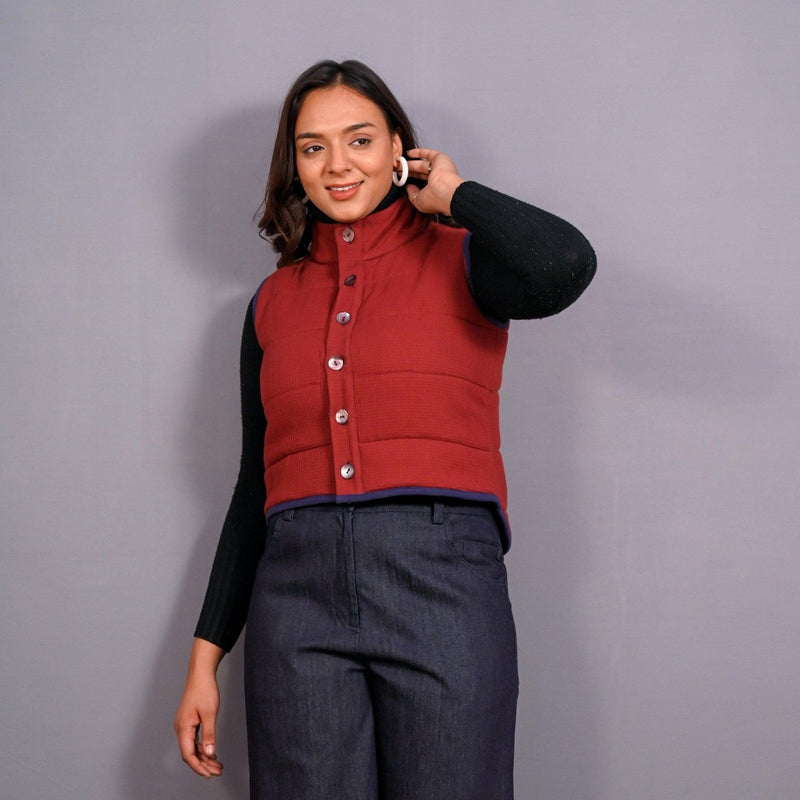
{"points": [[436, 506]]}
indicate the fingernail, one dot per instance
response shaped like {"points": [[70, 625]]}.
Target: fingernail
{"points": [[209, 749]]}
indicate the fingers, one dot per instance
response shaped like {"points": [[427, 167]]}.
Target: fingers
{"points": [[414, 193], [436, 196], [186, 731], [419, 168], [197, 755], [422, 153], [207, 758], [207, 745], [197, 742], [423, 160]]}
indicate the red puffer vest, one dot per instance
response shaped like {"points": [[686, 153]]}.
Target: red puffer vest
{"points": [[380, 375]]}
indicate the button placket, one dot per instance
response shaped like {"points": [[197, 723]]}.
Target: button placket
{"points": [[346, 301]]}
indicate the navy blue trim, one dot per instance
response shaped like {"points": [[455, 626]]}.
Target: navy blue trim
{"points": [[255, 299], [403, 491], [501, 323]]}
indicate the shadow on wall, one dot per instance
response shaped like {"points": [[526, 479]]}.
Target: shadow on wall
{"points": [[219, 180]]}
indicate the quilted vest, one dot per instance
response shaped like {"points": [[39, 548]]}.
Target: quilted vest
{"points": [[380, 374]]}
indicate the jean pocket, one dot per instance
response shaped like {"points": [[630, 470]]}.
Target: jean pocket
{"points": [[476, 540]]}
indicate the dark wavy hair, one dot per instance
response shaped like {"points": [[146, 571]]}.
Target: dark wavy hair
{"points": [[284, 222]]}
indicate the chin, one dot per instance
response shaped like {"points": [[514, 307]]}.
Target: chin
{"points": [[354, 209]]}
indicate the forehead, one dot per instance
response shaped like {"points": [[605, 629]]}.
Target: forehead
{"points": [[333, 108]]}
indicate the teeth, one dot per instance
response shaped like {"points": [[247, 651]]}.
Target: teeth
{"points": [[343, 188]]}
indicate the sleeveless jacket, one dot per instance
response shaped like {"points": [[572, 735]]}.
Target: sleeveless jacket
{"points": [[380, 374]]}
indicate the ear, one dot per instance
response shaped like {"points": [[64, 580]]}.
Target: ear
{"points": [[397, 145]]}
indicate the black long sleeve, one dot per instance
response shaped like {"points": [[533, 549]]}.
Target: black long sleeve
{"points": [[525, 263], [241, 542]]}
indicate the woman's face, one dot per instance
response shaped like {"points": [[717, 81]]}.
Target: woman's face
{"points": [[345, 152]]}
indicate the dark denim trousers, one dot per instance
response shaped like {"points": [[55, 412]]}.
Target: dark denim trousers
{"points": [[380, 656]]}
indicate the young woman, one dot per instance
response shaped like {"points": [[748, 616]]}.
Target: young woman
{"points": [[364, 543]]}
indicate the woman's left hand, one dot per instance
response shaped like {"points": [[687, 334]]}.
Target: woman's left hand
{"points": [[442, 180]]}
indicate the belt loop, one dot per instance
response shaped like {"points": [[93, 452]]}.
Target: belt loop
{"points": [[438, 513], [288, 515]]}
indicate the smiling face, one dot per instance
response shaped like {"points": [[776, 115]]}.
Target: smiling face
{"points": [[344, 152]]}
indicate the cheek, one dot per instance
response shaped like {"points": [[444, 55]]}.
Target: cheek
{"points": [[306, 178], [382, 166]]}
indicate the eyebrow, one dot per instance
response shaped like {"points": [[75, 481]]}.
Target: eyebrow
{"points": [[349, 129]]}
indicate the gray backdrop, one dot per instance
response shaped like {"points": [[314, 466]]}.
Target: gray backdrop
{"points": [[650, 432]]}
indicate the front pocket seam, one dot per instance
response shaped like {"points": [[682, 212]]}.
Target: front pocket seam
{"points": [[473, 568]]}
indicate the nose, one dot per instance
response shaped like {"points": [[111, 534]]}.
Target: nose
{"points": [[338, 159]]}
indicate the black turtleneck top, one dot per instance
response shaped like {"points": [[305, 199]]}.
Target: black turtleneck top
{"points": [[525, 263]]}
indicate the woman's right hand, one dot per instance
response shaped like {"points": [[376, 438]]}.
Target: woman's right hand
{"points": [[442, 178], [196, 719]]}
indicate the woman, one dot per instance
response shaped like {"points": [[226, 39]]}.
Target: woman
{"points": [[380, 658]]}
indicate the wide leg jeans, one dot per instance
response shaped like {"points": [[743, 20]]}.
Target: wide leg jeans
{"points": [[381, 656]]}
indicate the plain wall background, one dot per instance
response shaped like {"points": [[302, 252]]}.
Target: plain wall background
{"points": [[650, 431]]}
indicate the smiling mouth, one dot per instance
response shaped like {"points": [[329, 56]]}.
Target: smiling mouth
{"points": [[344, 188]]}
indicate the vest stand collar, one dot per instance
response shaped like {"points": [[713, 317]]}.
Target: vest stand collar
{"points": [[373, 236]]}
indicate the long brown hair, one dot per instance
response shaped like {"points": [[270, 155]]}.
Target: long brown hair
{"points": [[284, 222]]}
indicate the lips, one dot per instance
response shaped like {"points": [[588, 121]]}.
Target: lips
{"points": [[344, 191]]}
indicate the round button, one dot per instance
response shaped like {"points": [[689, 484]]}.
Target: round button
{"points": [[343, 317], [347, 471], [336, 363], [342, 416], [349, 280], [348, 234]]}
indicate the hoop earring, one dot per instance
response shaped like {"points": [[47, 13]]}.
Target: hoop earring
{"points": [[401, 180]]}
